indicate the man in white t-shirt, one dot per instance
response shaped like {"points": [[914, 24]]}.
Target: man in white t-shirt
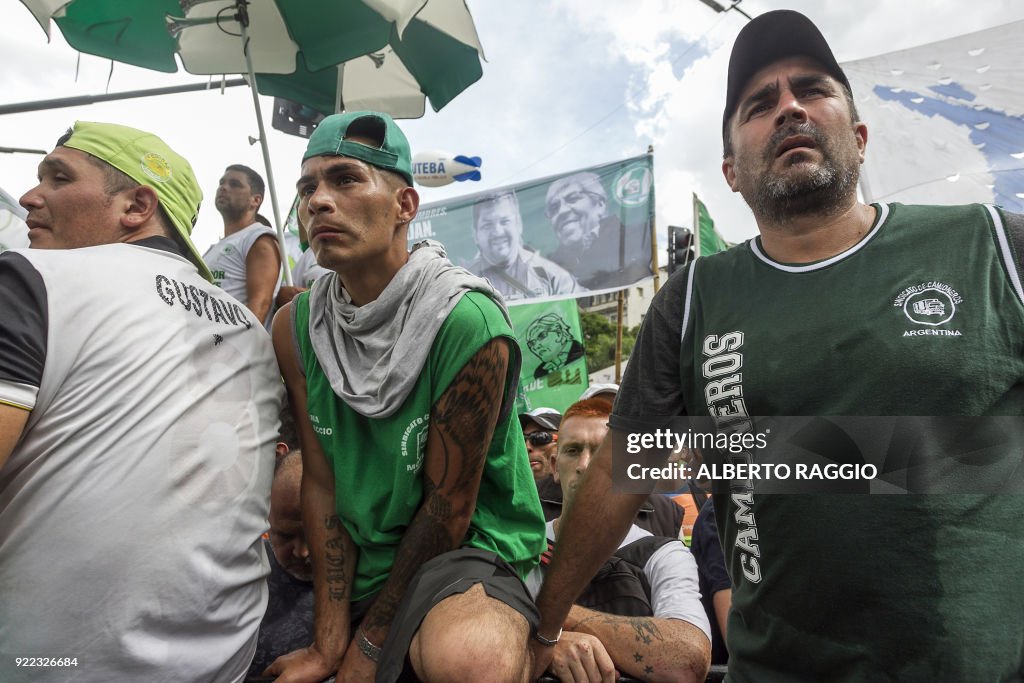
{"points": [[645, 617], [138, 413], [246, 263]]}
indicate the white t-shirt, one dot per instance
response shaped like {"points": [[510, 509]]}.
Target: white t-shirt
{"points": [[671, 572], [226, 260], [131, 511], [307, 270], [13, 231]]}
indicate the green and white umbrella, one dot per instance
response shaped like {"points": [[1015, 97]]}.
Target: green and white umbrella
{"points": [[331, 55], [384, 54]]}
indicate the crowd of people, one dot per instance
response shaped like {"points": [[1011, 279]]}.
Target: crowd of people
{"points": [[421, 529]]}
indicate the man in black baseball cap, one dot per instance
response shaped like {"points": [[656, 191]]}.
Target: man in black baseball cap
{"points": [[837, 308], [540, 429], [769, 38], [792, 139]]}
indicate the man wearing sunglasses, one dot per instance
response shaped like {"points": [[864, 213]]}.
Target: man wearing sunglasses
{"points": [[540, 429], [593, 244]]}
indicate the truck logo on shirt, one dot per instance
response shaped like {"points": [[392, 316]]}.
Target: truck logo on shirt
{"points": [[930, 304], [414, 440], [929, 307]]}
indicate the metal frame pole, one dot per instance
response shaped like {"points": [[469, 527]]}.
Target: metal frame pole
{"points": [[244, 21], [654, 231]]}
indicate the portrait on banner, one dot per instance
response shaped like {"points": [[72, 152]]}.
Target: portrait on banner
{"points": [[575, 234]]}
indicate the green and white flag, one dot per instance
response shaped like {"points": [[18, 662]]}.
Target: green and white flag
{"points": [[708, 240], [554, 371]]}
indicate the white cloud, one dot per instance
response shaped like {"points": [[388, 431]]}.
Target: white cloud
{"points": [[681, 115]]}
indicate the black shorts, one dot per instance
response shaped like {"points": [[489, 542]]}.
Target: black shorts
{"points": [[449, 574]]}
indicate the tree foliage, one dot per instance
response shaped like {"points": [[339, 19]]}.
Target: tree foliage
{"points": [[599, 340]]}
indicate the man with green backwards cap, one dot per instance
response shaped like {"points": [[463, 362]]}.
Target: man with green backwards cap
{"points": [[837, 308], [138, 414], [420, 509]]}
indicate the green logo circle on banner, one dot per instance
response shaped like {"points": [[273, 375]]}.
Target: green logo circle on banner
{"points": [[632, 187]]}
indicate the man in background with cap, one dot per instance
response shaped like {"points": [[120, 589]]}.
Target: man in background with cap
{"points": [[540, 429], [420, 510], [138, 410], [246, 262], [606, 390], [817, 316]]}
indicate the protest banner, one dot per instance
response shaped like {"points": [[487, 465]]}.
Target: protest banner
{"points": [[554, 371], [575, 234]]}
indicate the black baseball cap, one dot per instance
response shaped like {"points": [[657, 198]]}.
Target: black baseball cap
{"points": [[768, 38], [547, 418]]}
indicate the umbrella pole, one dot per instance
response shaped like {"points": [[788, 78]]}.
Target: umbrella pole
{"points": [[266, 154]]}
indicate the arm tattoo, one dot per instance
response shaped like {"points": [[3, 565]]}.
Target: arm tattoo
{"points": [[464, 419], [646, 630], [466, 413], [337, 584], [425, 538]]}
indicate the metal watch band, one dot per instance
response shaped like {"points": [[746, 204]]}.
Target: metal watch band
{"points": [[368, 648], [546, 641]]}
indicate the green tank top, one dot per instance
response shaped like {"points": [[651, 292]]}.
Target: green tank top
{"points": [[377, 462], [922, 317]]}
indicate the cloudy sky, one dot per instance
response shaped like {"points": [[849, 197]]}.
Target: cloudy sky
{"points": [[567, 84]]}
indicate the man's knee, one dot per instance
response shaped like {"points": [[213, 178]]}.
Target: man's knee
{"points": [[471, 637]]}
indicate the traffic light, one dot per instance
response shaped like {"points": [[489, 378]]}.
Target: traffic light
{"points": [[294, 118], [680, 248]]}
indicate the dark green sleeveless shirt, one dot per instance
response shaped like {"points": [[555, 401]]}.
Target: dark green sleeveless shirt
{"points": [[377, 463], [924, 316]]}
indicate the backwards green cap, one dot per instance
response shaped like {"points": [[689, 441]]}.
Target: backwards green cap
{"points": [[392, 151], [148, 160]]}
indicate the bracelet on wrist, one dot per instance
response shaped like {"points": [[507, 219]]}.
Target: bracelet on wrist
{"points": [[547, 642], [367, 648]]}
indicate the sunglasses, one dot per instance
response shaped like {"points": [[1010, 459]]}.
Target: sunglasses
{"points": [[538, 439]]}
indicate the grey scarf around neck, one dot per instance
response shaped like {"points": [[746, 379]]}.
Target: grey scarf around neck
{"points": [[373, 354]]}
